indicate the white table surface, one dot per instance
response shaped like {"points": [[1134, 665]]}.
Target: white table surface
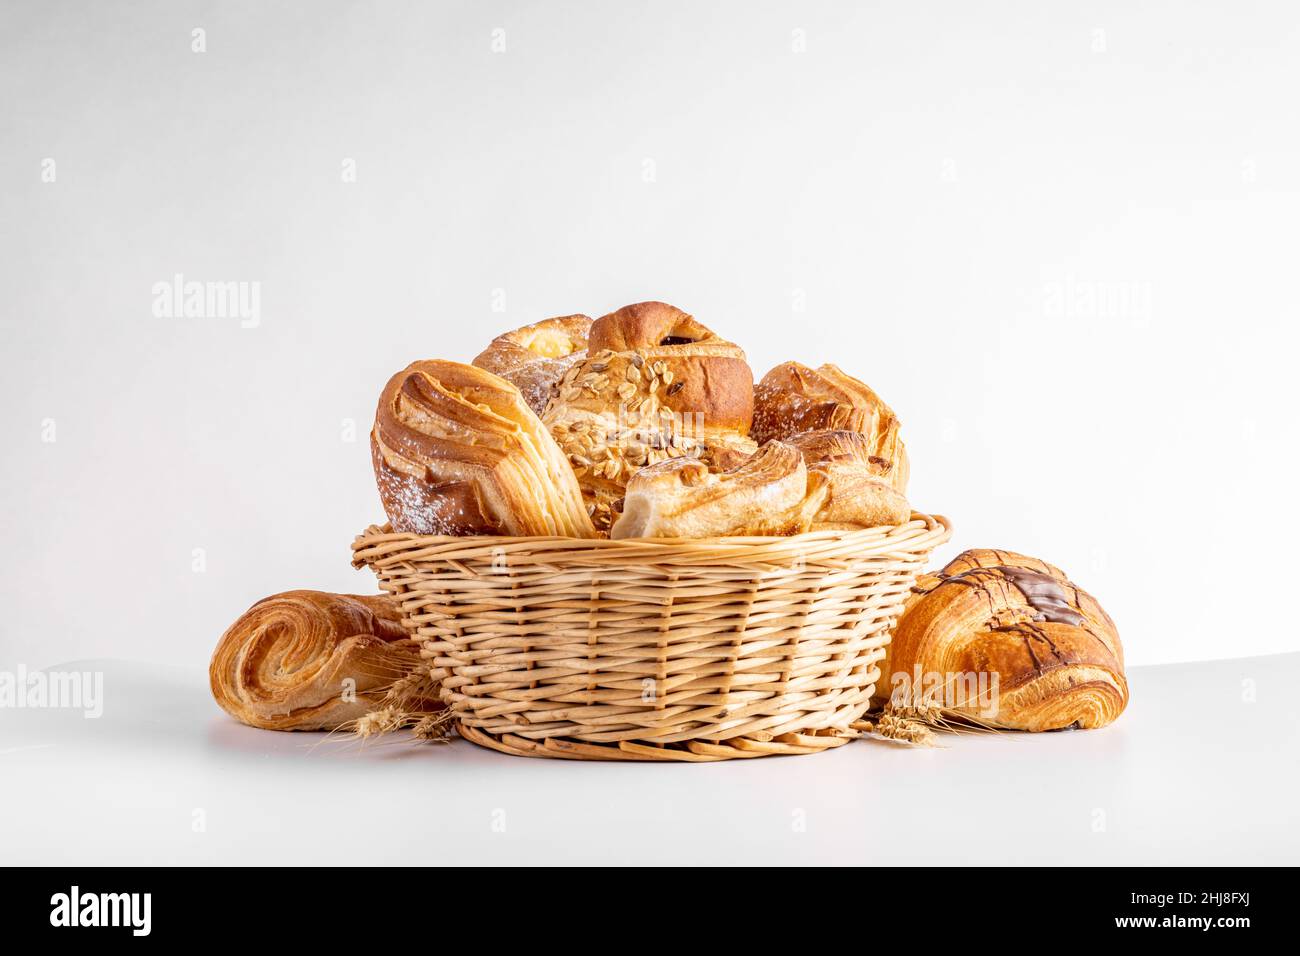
{"points": [[1195, 772]]}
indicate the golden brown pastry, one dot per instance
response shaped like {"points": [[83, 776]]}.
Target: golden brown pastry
{"points": [[655, 384], [535, 357], [308, 660], [710, 377], [860, 495], [772, 493], [457, 451], [1049, 655], [794, 398]]}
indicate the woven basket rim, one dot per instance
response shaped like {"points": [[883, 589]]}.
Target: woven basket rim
{"points": [[379, 545]]}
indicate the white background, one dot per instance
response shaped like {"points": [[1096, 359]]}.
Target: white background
{"points": [[934, 196]]}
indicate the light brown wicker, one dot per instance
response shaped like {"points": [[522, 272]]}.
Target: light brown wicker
{"points": [[654, 649]]}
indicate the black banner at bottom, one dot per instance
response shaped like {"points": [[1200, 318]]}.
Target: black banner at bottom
{"points": [[338, 905]]}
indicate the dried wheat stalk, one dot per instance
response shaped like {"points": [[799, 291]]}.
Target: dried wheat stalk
{"points": [[408, 704]]}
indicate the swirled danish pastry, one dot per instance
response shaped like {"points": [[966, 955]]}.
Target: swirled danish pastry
{"points": [[310, 660]]}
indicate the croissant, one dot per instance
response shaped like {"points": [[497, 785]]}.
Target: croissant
{"points": [[1008, 641], [535, 357], [772, 493], [308, 660], [794, 398], [457, 451]]}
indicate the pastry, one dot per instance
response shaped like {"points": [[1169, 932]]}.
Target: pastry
{"points": [[794, 398], [457, 451], [308, 660], [655, 384], [773, 493], [709, 375], [1008, 641], [860, 495], [535, 358]]}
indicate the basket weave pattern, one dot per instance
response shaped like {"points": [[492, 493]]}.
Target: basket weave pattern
{"points": [[654, 649]]}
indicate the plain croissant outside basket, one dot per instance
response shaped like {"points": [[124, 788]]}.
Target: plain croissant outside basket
{"points": [[654, 649]]}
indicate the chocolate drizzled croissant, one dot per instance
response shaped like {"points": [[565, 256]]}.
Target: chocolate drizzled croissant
{"points": [[1009, 641]]}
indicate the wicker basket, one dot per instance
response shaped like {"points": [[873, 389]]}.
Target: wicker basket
{"points": [[654, 649]]}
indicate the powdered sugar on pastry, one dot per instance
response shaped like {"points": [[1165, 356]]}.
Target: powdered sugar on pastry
{"points": [[457, 451]]}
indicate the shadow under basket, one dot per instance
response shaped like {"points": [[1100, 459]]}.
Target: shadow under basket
{"points": [[655, 648]]}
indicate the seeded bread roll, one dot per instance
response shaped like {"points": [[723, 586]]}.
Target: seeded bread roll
{"points": [[535, 357], [655, 385], [711, 378]]}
